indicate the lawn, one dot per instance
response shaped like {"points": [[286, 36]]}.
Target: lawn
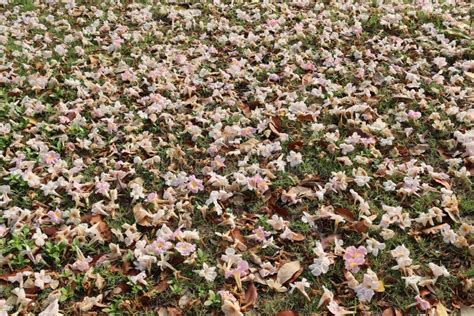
{"points": [[236, 157]]}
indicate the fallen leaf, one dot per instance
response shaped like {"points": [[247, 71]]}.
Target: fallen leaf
{"points": [[441, 310], [300, 191], [297, 237], [245, 108], [251, 297], [434, 229], [287, 313], [388, 312], [238, 239], [346, 213], [287, 271], [174, 311], [305, 118], [296, 145], [467, 311], [276, 122], [142, 216], [443, 183], [360, 226], [102, 226], [275, 208], [326, 241]]}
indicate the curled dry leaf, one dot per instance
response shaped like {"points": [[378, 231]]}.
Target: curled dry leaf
{"points": [[287, 271], [238, 239], [142, 216], [434, 229], [251, 297], [443, 183], [297, 237]]}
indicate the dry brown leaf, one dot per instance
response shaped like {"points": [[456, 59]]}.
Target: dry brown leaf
{"points": [[245, 108], [287, 313], [287, 271], [301, 191], [326, 241], [297, 237], [305, 118], [296, 145], [142, 216], [443, 183], [102, 226], [434, 229], [346, 213], [174, 311], [360, 226], [276, 208], [276, 122], [251, 297], [307, 79], [238, 239]]}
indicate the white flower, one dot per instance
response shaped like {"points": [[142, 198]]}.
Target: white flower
{"points": [[39, 237], [277, 222], [294, 158], [449, 236], [389, 186], [346, 148], [207, 272], [51, 310], [401, 254], [4, 308], [413, 281], [374, 246], [41, 279], [320, 265], [21, 298], [139, 278], [440, 62], [438, 270], [300, 286], [137, 191]]}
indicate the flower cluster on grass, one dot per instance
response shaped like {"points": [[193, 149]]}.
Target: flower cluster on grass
{"points": [[181, 157]]}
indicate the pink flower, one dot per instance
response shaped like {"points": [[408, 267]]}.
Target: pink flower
{"points": [[259, 234], [152, 197], [195, 185], [55, 216], [102, 187], [424, 304], [218, 162], [128, 76], [51, 157], [82, 264], [412, 115], [185, 248], [159, 246], [354, 257], [258, 184], [241, 269]]}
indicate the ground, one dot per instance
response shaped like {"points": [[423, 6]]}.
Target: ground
{"points": [[244, 157]]}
